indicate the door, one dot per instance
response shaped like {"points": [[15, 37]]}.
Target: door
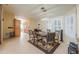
{"points": [[17, 28]]}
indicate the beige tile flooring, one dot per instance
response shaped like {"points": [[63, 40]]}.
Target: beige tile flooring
{"points": [[21, 46]]}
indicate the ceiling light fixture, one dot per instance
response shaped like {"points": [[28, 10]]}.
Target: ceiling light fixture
{"points": [[43, 9]]}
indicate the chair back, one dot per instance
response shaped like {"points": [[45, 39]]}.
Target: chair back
{"points": [[50, 37]]}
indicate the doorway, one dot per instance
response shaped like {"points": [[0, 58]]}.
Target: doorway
{"points": [[17, 28], [21, 27]]}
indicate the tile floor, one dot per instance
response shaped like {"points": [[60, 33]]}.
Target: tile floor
{"points": [[21, 46]]}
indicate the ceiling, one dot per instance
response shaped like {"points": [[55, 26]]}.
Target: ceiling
{"points": [[35, 11]]}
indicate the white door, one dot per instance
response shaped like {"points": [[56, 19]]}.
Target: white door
{"points": [[70, 27]]}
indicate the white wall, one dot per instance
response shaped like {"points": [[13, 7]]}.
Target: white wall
{"points": [[32, 24], [78, 22], [8, 22]]}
